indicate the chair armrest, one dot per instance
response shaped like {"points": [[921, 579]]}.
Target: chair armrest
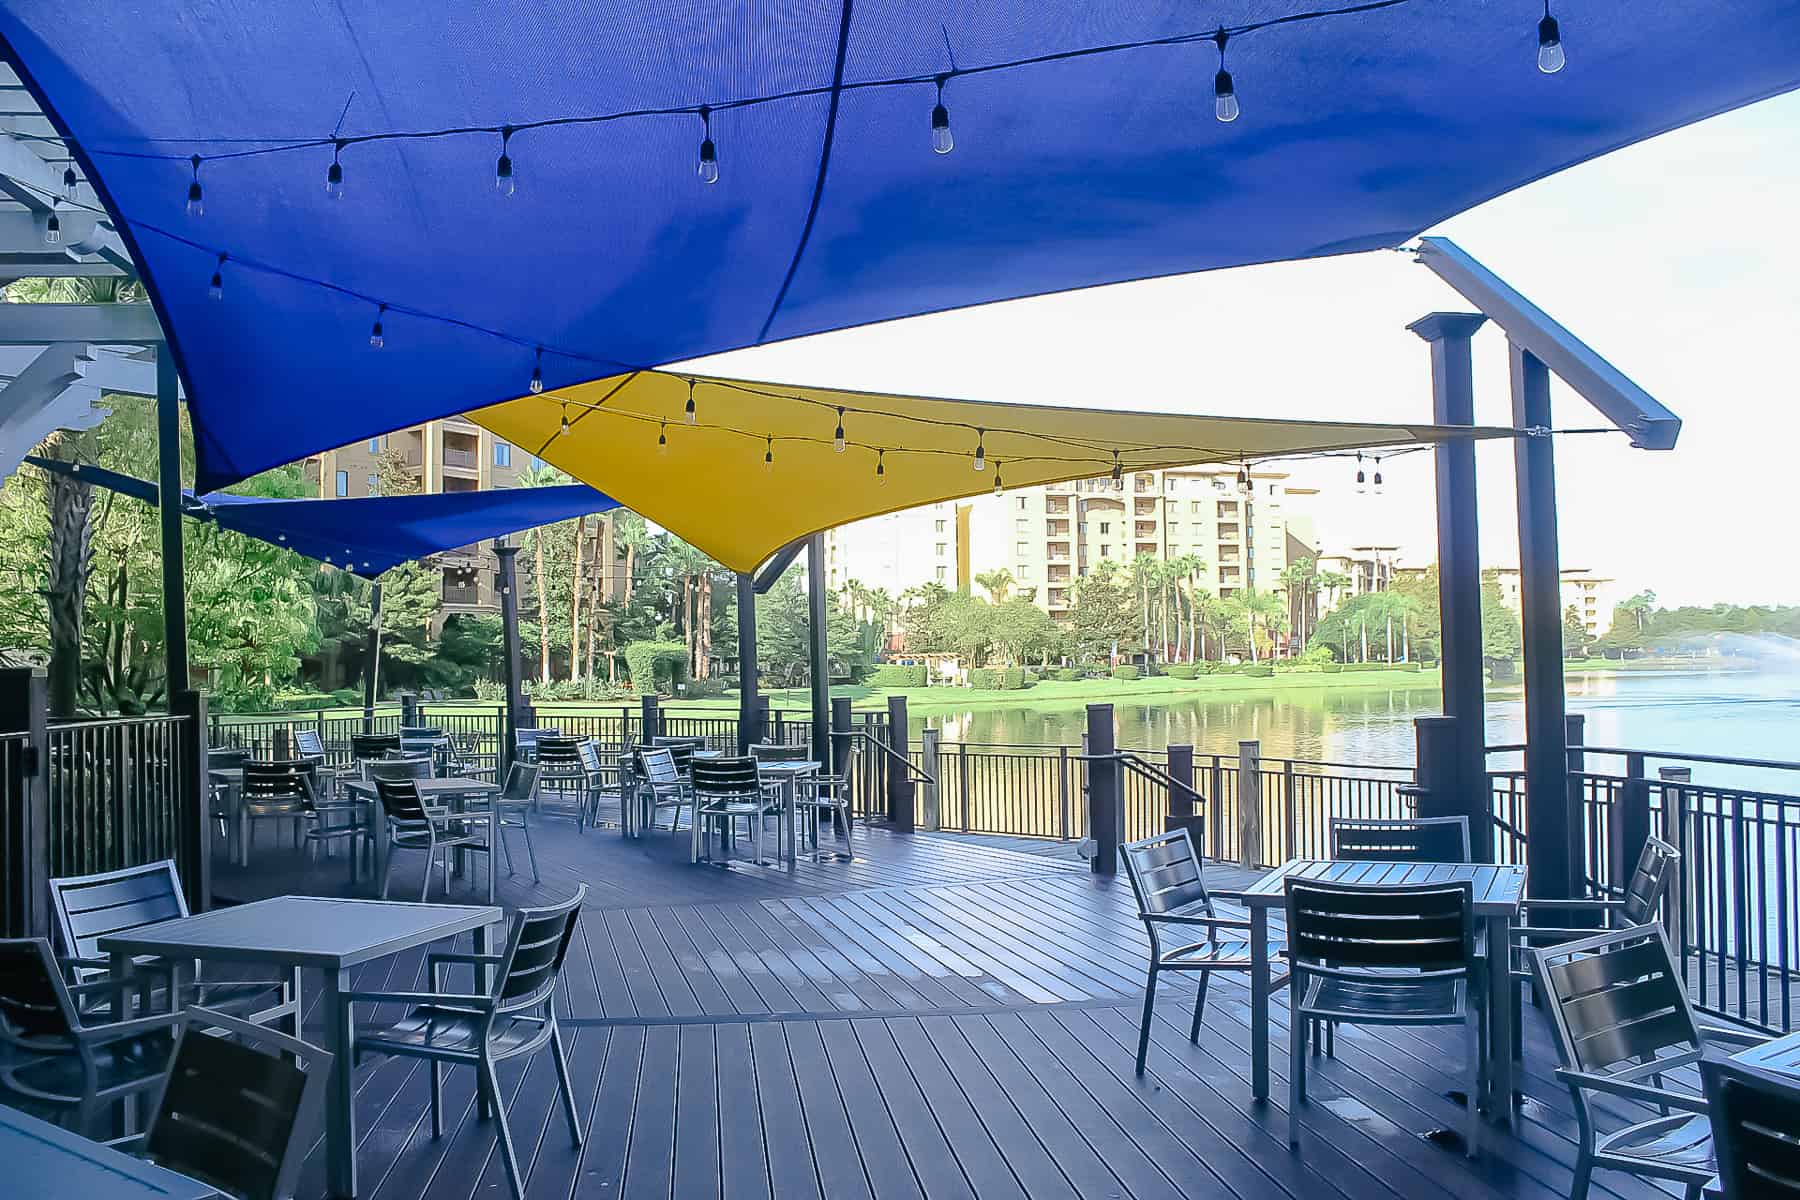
{"points": [[1631, 1091], [1525, 935], [74, 960], [1172, 919], [438, 956], [100, 1035], [441, 999], [1571, 905], [1737, 1037]]}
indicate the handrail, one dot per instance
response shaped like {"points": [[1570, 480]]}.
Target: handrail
{"points": [[1131, 761], [918, 772]]}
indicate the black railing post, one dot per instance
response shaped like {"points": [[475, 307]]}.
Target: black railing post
{"points": [[841, 735], [25, 835], [1103, 790], [651, 719], [409, 709], [900, 787], [1631, 821], [1182, 810], [1574, 791], [193, 842], [1250, 812]]}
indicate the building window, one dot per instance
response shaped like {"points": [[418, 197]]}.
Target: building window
{"points": [[1022, 549], [940, 527], [1022, 503], [1022, 525], [940, 550], [374, 445], [374, 484], [943, 573], [1105, 551], [1024, 572], [537, 464], [1105, 528], [502, 454], [343, 483]]}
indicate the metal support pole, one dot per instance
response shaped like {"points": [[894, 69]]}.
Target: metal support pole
{"points": [[372, 665], [929, 741], [1182, 809], [840, 743], [25, 822], [168, 481], [1459, 559], [506, 552], [1553, 835], [650, 718], [1104, 824], [818, 657], [900, 784], [749, 731], [1250, 813], [193, 839]]}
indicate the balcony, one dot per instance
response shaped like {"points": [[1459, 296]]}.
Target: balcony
{"points": [[464, 460], [462, 593], [1228, 533]]}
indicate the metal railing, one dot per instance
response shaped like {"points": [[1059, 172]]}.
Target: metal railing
{"points": [[114, 793]]}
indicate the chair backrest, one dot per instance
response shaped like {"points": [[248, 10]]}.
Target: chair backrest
{"points": [[400, 801], [1165, 873], [397, 768], [658, 766], [1410, 839], [681, 749], [769, 752], [89, 907], [34, 1001], [1756, 1131], [521, 781], [1616, 998], [527, 738], [1429, 927], [269, 782], [421, 731], [721, 777], [238, 1113], [426, 746], [226, 759], [308, 744], [534, 953], [373, 745], [1649, 882], [557, 752]]}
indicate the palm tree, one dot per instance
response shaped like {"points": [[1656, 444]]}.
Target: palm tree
{"points": [[630, 532], [1264, 609], [1144, 572], [997, 583], [541, 476], [1300, 578]]}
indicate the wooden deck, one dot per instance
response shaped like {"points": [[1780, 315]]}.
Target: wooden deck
{"points": [[941, 1017]]}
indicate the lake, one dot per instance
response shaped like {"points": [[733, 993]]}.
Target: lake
{"points": [[1747, 714]]}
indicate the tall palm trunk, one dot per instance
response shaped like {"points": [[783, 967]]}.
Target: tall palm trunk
{"points": [[71, 562], [575, 603], [537, 540]]}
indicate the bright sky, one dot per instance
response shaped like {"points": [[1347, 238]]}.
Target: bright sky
{"points": [[1676, 259]]}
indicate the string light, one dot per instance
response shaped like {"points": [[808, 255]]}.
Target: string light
{"points": [[981, 449], [1377, 480], [377, 338], [662, 439], [942, 140], [52, 226], [1245, 487], [997, 484], [563, 431], [70, 182], [505, 182], [881, 467], [692, 416], [215, 288], [1225, 101], [769, 453], [1550, 48], [537, 374], [1118, 471], [334, 174], [837, 439], [196, 203], [1362, 480], [709, 153]]}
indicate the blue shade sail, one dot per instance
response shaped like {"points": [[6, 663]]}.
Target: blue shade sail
{"points": [[371, 535], [1357, 130]]}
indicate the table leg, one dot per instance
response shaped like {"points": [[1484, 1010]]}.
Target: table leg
{"points": [[340, 1113], [1500, 1030], [1259, 1002], [119, 968], [789, 801]]}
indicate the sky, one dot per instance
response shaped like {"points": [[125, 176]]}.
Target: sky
{"points": [[1676, 259]]}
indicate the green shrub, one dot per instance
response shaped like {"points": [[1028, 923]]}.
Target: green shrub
{"points": [[1182, 671], [1065, 674], [898, 675], [655, 664], [1012, 679], [303, 701], [1258, 670], [1126, 672], [1331, 668], [351, 697], [986, 679]]}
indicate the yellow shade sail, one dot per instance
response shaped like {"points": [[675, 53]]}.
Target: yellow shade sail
{"points": [[758, 465]]}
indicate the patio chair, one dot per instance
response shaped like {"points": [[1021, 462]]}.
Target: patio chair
{"points": [[1383, 956], [239, 1110], [600, 778], [72, 1062], [372, 745], [826, 795], [512, 810], [525, 742], [1165, 874], [1619, 1009], [727, 790], [486, 1025], [278, 790], [220, 793], [1756, 1131], [681, 749], [659, 785], [399, 766], [90, 907], [412, 826], [561, 771], [1408, 839]]}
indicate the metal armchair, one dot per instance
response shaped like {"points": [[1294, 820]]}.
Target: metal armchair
{"points": [[1756, 1131], [412, 826], [727, 790], [1407, 839], [659, 785]]}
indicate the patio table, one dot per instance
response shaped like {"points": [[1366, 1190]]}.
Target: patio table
{"points": [[790, 774], [47, 1162], [1499, 894], [451, 794], [329, 935]]}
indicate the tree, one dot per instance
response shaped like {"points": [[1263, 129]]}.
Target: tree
{"points": [[1639, 607], [1019, 628], [1423, 630], [1300, 578], [1103, 612], [541, 476], [997, 583], [1575, 634], [1145, 572], [1501, 636]]}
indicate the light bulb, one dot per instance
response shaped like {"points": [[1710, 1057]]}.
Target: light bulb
{"points": [[980, 450], [997, 483], [881, 467], [942, 140], [1118, 471], [1362, 482], [537, 373], [837, 439], [1225, 101], [769, 455], [377, 337], [1550, 48], [689, 413], [709, 153], [334, 174], [564, 428], [53, 228], [196, 204], [662, 439], [215, 288], [505, 182], [70, 182]]}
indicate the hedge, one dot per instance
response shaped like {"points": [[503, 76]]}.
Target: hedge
{"points": [[1012, 679], [1182, 671], [307, 701], [1065, 674], [898, 675], [646, 662], [1126, 672], [1258, 670]]}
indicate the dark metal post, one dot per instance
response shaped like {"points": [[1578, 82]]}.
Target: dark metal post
{"points": [[1573, 789], [1553, 834], [193, 840], [372, 655], [816, 646], [1436, 783], [900, 785], [841, 733], [1459, 558], [1183, 812], [651, 719], [507, 577], [1631, 825], [25, 832], [168, 481], [409, 710], [749, 731], [1103, 790]]}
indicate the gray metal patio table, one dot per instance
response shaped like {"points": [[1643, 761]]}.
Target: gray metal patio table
{"points": [[790, 774], [330, 935], [451, 793], [1499, 892], [46, 1162]]}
